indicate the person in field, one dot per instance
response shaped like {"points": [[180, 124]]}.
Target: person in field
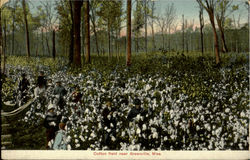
{"points": [[51, 123], [59, 92], [23, 87], [61, 139]]}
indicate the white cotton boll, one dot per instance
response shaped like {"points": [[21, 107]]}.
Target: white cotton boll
{"points": [[123, 134], [165, 138], [111, 125], [78, 145], [155, 135], [99, 125], [144, 127], [227, 110], [82, 138], [93, 135], [138, 131], [76, 140], [138, 117], [68, 147], [113, 138], [108, 130], [148, 87], [109, 117], [242, 114]]}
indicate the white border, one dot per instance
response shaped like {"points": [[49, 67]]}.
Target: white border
{"points": [[166, 155]]}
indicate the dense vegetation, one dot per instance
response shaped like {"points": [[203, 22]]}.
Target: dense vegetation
{"points": [[191, 103]]}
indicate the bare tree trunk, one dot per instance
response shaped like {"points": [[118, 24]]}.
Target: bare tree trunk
{"points": [[152, 26], [5, 38], [223, 42], [92, 18], [37, 39], [146, 29], [201, 29], [109, 47], [47, 43], [183, 39], [77, 31], [163, 43], [128, 61], [216, 43], [71, 46], [87, 34], [13, 29], [53, 44], [42, 43], [26, 29], [1, 53]]}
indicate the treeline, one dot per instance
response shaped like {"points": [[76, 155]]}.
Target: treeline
{"points": [[60, 28]]}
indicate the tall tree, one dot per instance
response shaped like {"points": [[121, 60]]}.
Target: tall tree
{"points": [[220, 14], [152, 17], [146, 25], [26, 28], [77, 27], [138, 23], [128, 61], [54, 44], [93, 6], [183, 34], [170, 15], [209, 5], [162, 23], [87, 33], [201, 27], [13, 26], [108, 13]]}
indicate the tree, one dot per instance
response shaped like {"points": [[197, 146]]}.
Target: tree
{"points": [[108, 14], [138, 23], [170, 15], [201, 27], [209, 5], [93, 6], [128, 33], [152, 17], [26, 28], [161, 21], [54, 44], [87, 32], [77, 27], [146, 24], [220, 14]]}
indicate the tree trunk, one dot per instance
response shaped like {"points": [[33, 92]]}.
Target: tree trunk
{"points": [[109, 48], [222, 35], [77, 31], [5, 38], [1, 53], [146, 29], [26, 29], [216, 43], [87, 34], [42, 43], [71, 46], [128, 61], [47, 43], [201, 29], [54, 44], [183, 38], [94, 29], [162, 34], [13, 30]]}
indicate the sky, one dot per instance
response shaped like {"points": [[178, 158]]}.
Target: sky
{"points": [[190, 9]]}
